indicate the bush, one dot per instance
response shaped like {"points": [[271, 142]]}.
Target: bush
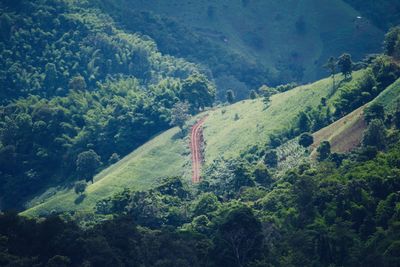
{"points": [[80, 187], [324, 151], [306, 140]]}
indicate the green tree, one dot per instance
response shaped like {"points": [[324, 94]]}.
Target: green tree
{"points": [[77, 83], [374, 111], [238, 238], [267, 93], [392, 42], [253, 94], [87, 164], [207, 203], [396, 115], [303, 123], [306, 139], [114, 158], [80, 187], [346, 65], [271, 158], [230, 96], [262, 175], [324, 151], [375, 134], [180, 114], [198, 92]]}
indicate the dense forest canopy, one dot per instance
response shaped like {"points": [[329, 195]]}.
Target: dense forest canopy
{"points": [[85, 83]]}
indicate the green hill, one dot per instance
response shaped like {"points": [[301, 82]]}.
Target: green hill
{"points": [[292, 39], [168, 154]]}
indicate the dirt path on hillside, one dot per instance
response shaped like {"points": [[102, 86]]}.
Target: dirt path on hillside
{"points": [[196, 140]]}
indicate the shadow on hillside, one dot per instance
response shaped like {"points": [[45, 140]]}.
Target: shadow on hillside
{"points": [[179, 135], [79, 199]]}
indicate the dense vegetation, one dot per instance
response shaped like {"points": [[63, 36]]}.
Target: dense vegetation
{"points": [[84, 83], [71, 82], [242, 215]]}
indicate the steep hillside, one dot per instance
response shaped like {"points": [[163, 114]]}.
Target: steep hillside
{"points": [[346, 133], [225, 135], [71, 82], [292, 39]]}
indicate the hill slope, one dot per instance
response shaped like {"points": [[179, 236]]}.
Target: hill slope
{"points": [[292, 39], [168, 154], [346, 133]]}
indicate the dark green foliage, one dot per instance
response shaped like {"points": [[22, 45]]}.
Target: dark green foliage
{"points": [[87, 163], [271, 158], [238, 238], [77, 83], [114, 158], [356, 93], [386, 71], [207, 203], [345, 64], [198, 92], [375, 134], [325, 215], [262, 176], [80, 187], [392, 42], [230, 96], [324, 150], [396, 115], [374, 111], [306, 140], [303, 122], [253, 94], [180, 114], [176, 39], [71, 81]]}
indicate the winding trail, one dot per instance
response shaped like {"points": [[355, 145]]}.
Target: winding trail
{"points": [[195, 147]]}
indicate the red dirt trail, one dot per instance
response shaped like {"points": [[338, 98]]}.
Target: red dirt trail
{"points": [[196, 139]]}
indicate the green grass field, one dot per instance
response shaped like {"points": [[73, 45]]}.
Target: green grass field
{"points": [[390, 96], [168, 153]]}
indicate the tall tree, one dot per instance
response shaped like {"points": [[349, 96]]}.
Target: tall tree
{"points": [[375, 134], [392, 42], [346, 65], [324, 151], [179, 114], [238, 238], [87, 163], [230, 96], [198, 92]]}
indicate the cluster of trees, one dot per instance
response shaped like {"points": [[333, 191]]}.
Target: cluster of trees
{"points": [[175, 39], [242, 214], [77, 94]]}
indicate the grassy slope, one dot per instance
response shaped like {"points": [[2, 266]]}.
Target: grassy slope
{"points": [[266, 30], [346, 133], [390, 96], [168, 155]]}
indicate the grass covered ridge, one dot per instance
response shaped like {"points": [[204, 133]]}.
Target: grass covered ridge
{"points": [[225, 135]]}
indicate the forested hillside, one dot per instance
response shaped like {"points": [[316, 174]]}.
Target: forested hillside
{"points": [[199, 133], [74, 86], [248, 42]]}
